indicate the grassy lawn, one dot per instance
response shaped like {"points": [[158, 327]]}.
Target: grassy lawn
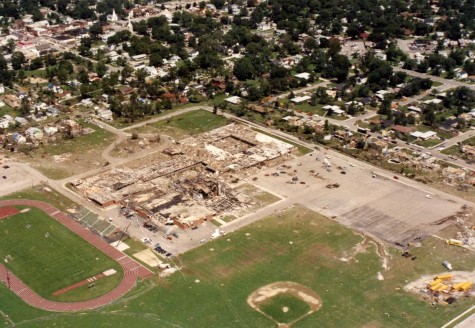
{"points": [[37, 193], [455, 149], [47, 257], [307, 108], [301, 149], [222, 274], [186, 124], [81, 144], [4, 110], [427, 143], [219, 276], [36, 73]]}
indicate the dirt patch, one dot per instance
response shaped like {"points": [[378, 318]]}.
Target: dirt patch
{"points": [[148, 257], [264, 293], [129, 146], [362, 247]]}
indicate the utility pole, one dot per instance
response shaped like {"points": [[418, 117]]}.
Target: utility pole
{"points": [[123, 233]]}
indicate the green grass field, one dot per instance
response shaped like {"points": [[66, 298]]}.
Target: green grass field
{"points": [[215, 280], [186, 124], [47, 257]]}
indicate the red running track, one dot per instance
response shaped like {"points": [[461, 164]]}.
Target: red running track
{"points": [[132, 269]]}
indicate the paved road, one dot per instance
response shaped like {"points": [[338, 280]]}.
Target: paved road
{"points": [[448, 84]]}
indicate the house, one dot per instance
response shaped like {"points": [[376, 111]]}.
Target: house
{"points": [[414, 109], [20, 120], [50, 130], [52, 111], [424, 135], [449, 124], [71, 127], [432, 101], [34, 134], [4, 123], [105, 114], [2, 89], [261, 109], [12, 101], [235, 100], [405, 130], [303, 76], [334, 109], [125, 91], [301, 99], [18, 138], [9, 118], [340, 87]]}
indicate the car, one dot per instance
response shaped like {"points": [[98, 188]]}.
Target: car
{"points": [[6, 166], [168, 254], [146, 240]]}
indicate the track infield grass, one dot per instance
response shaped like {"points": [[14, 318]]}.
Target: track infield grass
{"points": [[48, 256], [296, 245]]}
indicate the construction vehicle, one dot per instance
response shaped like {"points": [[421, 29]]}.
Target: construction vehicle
{"points": [[454, 242]]}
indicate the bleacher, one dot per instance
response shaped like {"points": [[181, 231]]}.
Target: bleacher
{"points": [[94, 222]]}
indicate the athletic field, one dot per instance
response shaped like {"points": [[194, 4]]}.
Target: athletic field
{"points": [[215, 281], [48, 257]]}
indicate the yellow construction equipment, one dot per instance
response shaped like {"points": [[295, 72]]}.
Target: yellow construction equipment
{"points": [[447, 276], [454, 242]]}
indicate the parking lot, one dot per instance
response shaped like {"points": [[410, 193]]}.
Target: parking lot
{"points": [[14, 178], [391, 208], [171, 238]]}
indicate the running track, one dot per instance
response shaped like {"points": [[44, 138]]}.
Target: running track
{"points": [[132, 269]]}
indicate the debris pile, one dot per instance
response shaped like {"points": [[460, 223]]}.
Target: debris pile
{"points": [[444, 288]]}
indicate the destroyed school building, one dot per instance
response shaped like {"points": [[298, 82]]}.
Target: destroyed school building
{"points": [[191, 186]]}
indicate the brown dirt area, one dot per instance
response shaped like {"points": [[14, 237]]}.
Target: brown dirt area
{"points": [[132, 146]]}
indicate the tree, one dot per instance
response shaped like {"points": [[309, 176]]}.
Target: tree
{"points": [[18, 59], [469, 67], [244, 69], [25, 107], [429, 116], [10, 46], [101, 69], [385, 108], [95, 30]]}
